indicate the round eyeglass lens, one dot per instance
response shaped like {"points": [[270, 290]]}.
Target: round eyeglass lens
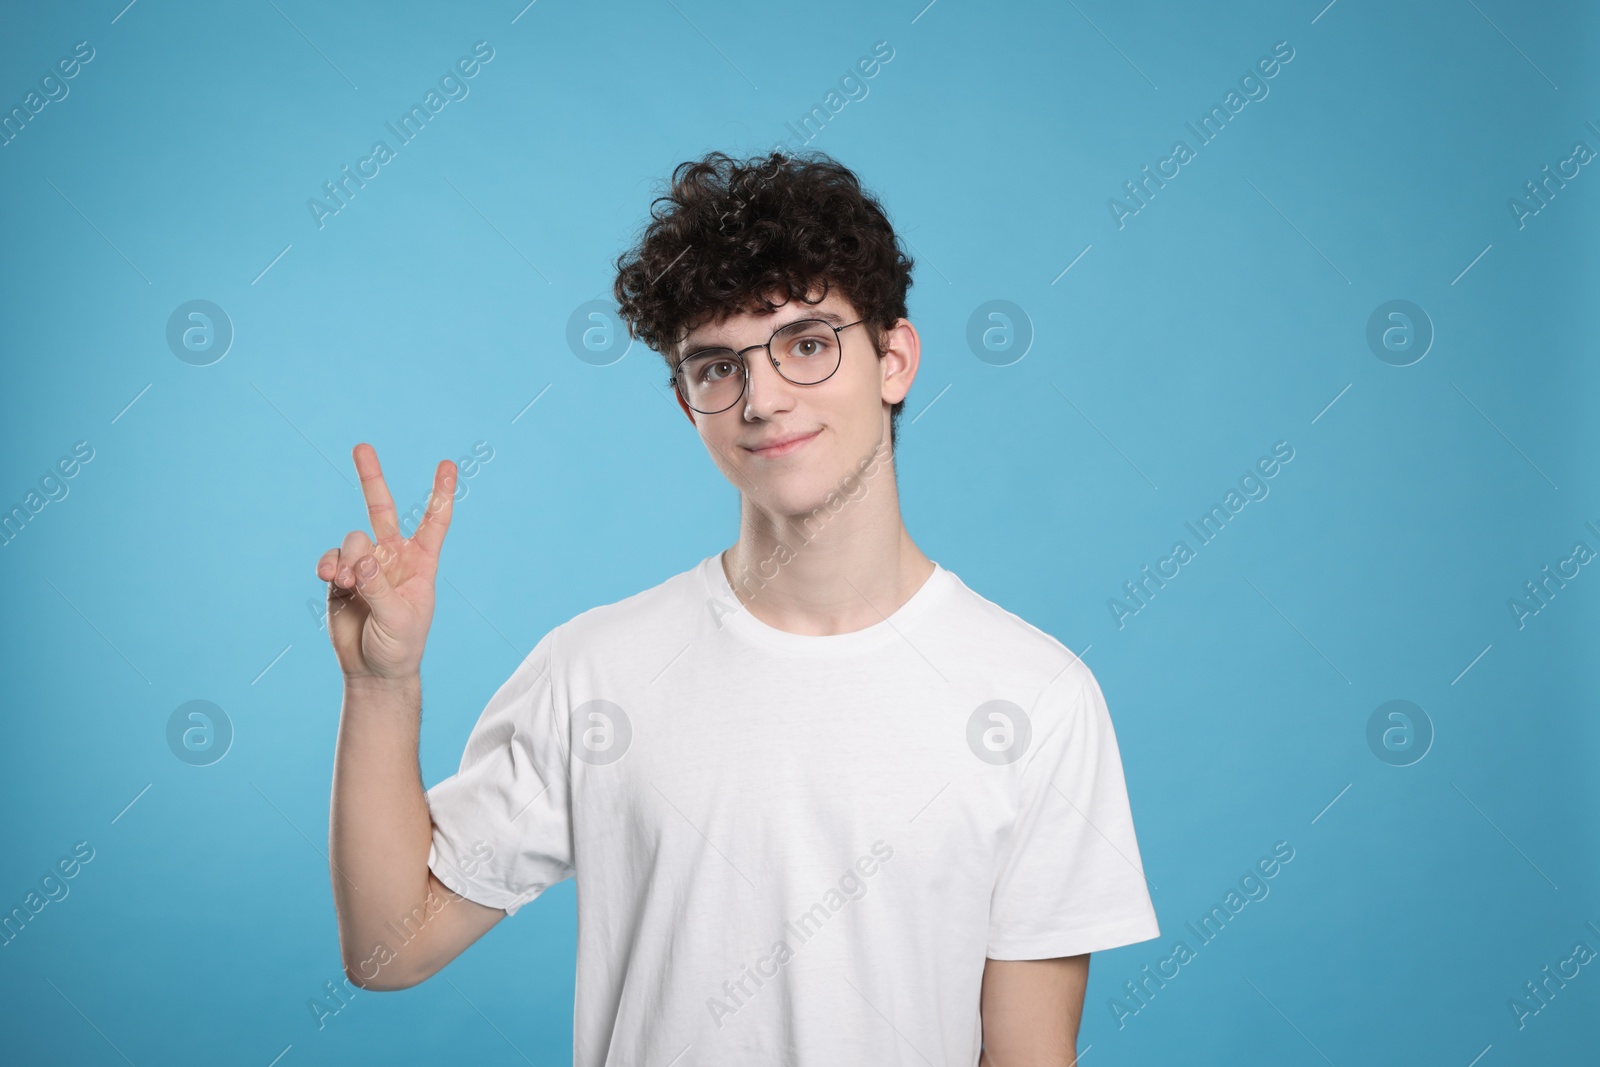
{"points": [[807, 351]]}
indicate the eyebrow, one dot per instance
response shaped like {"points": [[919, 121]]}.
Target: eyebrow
{"points": [[832, 317]]}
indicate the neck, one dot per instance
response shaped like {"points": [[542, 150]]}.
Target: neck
{"points": [[842, 566]]}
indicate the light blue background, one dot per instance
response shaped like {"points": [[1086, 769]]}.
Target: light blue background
{"points": [[1227, 315]]}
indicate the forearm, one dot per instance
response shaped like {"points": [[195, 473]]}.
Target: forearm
{"points": [[379, 829]]}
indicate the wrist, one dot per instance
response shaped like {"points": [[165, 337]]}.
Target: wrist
{"points": [[405, 682]]}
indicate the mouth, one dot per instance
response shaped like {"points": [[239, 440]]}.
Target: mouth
{"points": [[783, 446]]}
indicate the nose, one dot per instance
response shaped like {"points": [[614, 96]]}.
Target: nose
{"points": [[766, 392]]}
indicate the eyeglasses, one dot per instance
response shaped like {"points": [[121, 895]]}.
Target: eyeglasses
{"points": [[711, 380]]}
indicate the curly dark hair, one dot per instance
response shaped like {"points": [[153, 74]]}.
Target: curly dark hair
{"points": [[729, 232]]}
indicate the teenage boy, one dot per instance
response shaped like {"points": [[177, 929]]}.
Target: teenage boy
{"points": [[825, 804]]}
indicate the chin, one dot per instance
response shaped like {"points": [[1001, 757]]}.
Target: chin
{"points": [[797, 493]]}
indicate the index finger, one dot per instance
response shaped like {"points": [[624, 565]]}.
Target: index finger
{"points": [[380, 506], [436, 518]]}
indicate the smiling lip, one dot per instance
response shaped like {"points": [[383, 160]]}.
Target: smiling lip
{"points": [[783, 446]]}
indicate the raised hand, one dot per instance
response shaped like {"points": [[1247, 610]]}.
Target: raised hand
{"points": [[381, 596]]}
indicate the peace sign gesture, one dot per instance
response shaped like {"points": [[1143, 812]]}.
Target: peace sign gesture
{"points": [[380, 597]]}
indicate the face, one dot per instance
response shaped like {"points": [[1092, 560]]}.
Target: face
{"points": [[822, 432]]}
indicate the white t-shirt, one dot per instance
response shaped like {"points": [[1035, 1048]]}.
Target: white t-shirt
{"points": [[795, 849]]}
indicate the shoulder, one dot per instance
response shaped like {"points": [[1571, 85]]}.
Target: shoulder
{"points": [[1002, 641], [644, 620]]}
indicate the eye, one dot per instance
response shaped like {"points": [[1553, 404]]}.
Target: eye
{"points": [[710, 369], [811, 340]]}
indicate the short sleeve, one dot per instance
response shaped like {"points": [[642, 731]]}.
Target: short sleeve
{"points": [[1069, 878], [502, 831]]}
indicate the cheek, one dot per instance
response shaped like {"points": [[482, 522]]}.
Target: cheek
{"points": [[722, 451], [854, 390]]}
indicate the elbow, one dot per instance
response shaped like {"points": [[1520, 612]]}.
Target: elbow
{"points": [[369, 975], [378, 968]]}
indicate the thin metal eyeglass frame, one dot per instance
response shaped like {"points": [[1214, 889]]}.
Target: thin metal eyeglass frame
{"points": [[744, 367]]}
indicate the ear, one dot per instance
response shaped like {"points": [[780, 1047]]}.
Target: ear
{"points": [[902, 355]]}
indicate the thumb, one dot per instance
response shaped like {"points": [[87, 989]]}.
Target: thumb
{"points": [[371, 582]]}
